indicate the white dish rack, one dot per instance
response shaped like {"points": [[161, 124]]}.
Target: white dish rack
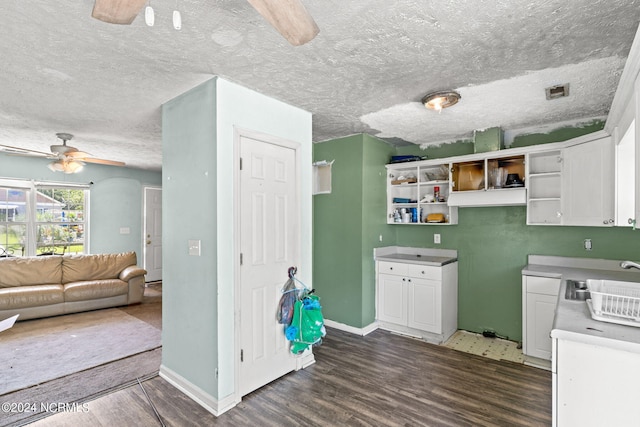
{"points": [[614, 302]]}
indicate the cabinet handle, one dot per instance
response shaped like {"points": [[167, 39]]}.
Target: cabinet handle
{"points": [[408, 280], [423, 272], [390, 268], [608, 221], [404, 280]]}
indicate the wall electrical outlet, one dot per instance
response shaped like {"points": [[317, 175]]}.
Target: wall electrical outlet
{"points": [[436, 239], [194, 247], [587, 244]]}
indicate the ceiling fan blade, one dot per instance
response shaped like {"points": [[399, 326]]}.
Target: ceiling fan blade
{"points": [[77, 154], [22, 151], [289, 17], [102, 161], [117, 11]]}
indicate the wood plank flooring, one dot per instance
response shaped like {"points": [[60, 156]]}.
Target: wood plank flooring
{"points": [[379, 380]]}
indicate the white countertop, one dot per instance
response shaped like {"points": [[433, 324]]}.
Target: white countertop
{"points": [[572, 318], [423, 256]]}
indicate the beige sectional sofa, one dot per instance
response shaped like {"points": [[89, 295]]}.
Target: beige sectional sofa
{"points": [[44, 286]]}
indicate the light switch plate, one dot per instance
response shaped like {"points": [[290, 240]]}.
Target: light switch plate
{"points": [[194, 247]]}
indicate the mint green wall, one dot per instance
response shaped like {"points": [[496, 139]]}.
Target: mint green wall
{"points": [[337, 232], [458, 148], [189, 308], [492, 244], [463, 147], [376, 154], [115, 201], [347, 226], [556, 135]]}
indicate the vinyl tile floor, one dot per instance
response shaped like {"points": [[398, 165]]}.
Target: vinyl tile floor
{"points": [[493, 348]]}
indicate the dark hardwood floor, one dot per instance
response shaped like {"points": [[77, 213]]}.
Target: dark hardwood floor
{"points": [[379, 380]]}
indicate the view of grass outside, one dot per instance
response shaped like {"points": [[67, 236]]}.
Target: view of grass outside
{"points": [[59, 226]]}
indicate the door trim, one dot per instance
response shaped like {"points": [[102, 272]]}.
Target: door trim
{"points": [[239, 133]]}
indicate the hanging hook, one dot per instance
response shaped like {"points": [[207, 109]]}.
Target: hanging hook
{"points": [[292, 272]]}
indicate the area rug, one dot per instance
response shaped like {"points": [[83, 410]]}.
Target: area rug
{"points": [[37, 351]]}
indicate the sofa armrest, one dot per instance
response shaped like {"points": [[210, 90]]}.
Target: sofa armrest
{"points": [[130, 272]]}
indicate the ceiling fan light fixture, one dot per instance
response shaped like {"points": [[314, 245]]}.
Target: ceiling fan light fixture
{"points": [[56, 166], [441, 99], [66, 166]]}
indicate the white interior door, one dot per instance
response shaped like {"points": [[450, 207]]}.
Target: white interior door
{"points": [[153, 233], [269, 233]]}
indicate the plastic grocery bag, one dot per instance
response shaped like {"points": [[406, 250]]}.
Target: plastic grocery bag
{"points": [[287, 300], [307, 326]]}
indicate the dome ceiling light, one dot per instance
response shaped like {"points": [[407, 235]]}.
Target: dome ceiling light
{"points": [[442, 99]]}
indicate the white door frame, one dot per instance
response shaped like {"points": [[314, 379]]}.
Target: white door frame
{"points": [[306, 359], [144, 220]]}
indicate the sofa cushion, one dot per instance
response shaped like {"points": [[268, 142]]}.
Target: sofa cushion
{"points": [[30, 296], [94, 289], [21, 271], [76, 268]]}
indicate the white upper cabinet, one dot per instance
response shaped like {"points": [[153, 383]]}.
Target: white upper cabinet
{"points": [[588, 187], [418, 193], [623, 125], [544, 179], [572, 185], [495, 179], [626, 178]]}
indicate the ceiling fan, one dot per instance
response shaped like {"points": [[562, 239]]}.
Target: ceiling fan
{"points": [[65, 158], [289, 17]]}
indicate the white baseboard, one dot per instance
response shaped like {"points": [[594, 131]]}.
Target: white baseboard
{"points": [[351, 329], [306, 359], [208, 402]]}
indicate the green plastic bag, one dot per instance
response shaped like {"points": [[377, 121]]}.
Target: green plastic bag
{"points": [[307, 325]]}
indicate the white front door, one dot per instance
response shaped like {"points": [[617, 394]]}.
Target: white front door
{"points": [[269, 233], [153, 233]]}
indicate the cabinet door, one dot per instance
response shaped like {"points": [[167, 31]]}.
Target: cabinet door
{"points": [[588, 184], [392, 299], [626, 178], [540, 312], [424, 302]]}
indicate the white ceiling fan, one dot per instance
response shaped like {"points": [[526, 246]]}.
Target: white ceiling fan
{"points": [[65, 158], [289, 17]]}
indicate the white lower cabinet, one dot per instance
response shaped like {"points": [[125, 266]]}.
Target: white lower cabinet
{"points": [[416, 299], [594, 385], [539, 299]]}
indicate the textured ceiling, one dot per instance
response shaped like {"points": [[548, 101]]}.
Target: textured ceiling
{"points": [[63, 71]]}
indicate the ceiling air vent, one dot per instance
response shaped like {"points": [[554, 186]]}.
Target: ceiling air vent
{"points": [[558, 91]]}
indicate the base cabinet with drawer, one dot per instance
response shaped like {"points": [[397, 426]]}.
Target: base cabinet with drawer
{"points": [[417, 299], [539, 298]]}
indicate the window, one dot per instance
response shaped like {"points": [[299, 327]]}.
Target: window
{"points": [[43, 220], [13, 221]]}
